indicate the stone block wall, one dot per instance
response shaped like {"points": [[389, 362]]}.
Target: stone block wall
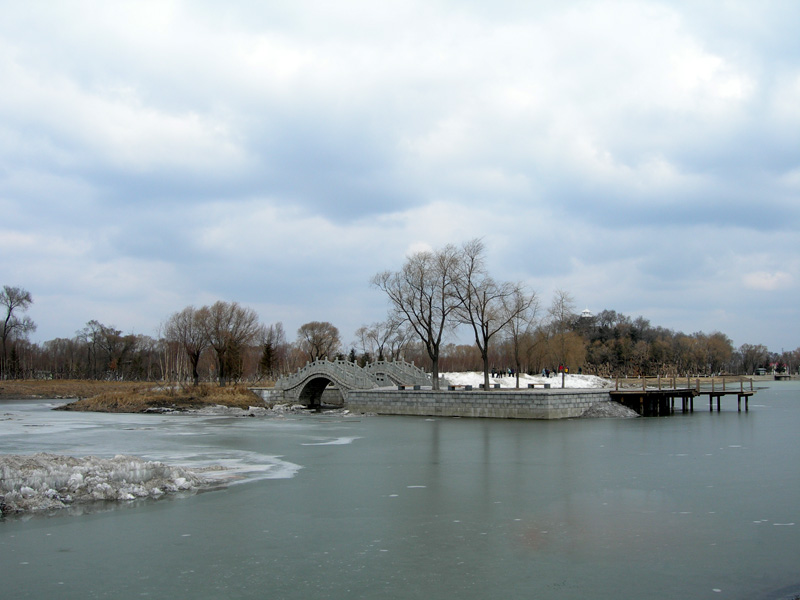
{"points": [[499, 404]]}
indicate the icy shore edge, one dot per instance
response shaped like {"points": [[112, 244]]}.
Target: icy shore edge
{"points": [[44, 482]]}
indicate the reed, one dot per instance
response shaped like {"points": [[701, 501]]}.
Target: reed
{"points": [[115, 396]]}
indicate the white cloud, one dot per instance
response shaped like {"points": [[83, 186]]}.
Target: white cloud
{"points": [[786, 99], [767, 281]]}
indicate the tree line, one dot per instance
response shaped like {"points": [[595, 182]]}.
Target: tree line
{"points": [[435, 298]]}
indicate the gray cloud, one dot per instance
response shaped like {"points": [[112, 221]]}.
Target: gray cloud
{"points": [[644, 156]]}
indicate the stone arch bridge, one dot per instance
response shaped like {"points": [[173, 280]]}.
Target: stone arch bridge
{"points": [[328, 382]]}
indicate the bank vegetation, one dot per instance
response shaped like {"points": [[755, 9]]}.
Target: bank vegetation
{"points": [[129, 396], [445, 314]]}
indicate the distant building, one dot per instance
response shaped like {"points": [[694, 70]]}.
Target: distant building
{"points": [[586, 314]]}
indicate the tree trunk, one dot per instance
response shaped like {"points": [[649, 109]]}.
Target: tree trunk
{"points": [[485, 357], [221, 366], [195, 359]]}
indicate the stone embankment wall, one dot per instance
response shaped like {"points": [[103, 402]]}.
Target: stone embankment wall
{"points": [[500, 404]]}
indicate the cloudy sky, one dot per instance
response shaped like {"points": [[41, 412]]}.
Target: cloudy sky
{"points": [[643, 156]]}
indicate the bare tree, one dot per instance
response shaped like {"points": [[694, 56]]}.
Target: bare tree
{"points": [[562, 317], [397, 344], [116, 347], [422, 294], [62, 358], [318, 339], [14, 300], [380, 337], [753, 356], [228, 327], [524, 310], [273, 350], [485, 304], [365, 341], [90, 336], [187, 328]]}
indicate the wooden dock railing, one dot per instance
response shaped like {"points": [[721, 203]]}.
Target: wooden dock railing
{"points": [[656, 395], [726, 383]]}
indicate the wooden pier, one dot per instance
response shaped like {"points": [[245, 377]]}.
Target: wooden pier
{"points": [[655, 397]]}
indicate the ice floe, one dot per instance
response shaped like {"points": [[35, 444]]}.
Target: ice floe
{"points": [[43, 482], [342, 441]]}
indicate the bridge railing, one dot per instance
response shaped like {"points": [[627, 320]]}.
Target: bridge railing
{"points": [[355, 375], [400, 371], [342, 371]]}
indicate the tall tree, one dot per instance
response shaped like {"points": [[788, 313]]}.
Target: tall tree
{"points": [[562, 317], [422, 294], [90, 336], [752, 357], [273, 350], [14, 300], [719, 351], [116, 348], [484, 304], [187, 328], [319, 339], [524, 310], [228, 327]]}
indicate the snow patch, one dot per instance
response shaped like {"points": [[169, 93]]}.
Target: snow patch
{"points": [[475, 379], [609, 409]]}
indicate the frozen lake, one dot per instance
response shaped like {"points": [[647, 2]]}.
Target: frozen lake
{"points": [[689, 506]]}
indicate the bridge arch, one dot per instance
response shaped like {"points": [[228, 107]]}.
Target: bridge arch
{"points": [[318, 390], [311, 384]]}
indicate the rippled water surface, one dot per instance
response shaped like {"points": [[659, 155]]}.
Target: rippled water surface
{"points": [[705, 505]]}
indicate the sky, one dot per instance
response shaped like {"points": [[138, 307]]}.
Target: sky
{"points": [[642, 156]]}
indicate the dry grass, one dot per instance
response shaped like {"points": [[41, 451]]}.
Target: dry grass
{"points": [[106, 396], [64, 388]]}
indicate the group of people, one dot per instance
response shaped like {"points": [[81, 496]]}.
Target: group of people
{"points": [[548, 373], [503, 372], [545, 372], [561, 369]]}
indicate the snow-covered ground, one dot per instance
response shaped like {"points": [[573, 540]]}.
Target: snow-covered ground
{"points": [[570, 381], [41, 482]]}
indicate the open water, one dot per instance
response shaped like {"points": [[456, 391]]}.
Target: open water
{"points": [[702, 505]]}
